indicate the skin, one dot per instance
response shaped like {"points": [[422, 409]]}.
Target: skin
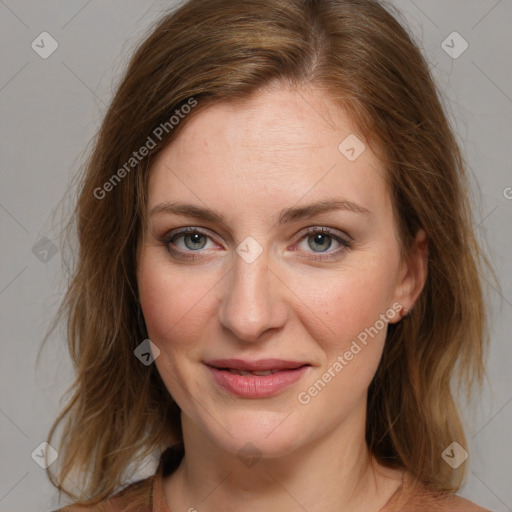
{"points": [[248, 162]]}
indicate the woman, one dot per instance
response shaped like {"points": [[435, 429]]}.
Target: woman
{"points": [[277, 273]]}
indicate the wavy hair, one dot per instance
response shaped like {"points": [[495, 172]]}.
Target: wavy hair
{"points": [[206, 51]]}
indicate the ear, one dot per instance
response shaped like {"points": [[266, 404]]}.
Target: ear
{"points": [[412, 275]]}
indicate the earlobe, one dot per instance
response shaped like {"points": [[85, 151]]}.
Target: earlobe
{"points": [[412, 275]]}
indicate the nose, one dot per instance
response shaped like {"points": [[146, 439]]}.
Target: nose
{"points": [[252, 302]]}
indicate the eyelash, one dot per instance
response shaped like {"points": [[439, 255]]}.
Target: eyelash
{"points": [[170, 238]]}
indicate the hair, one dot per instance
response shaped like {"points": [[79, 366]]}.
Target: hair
{"points": [[208, 51]]}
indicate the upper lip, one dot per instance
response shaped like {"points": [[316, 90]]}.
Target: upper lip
{"points": [[257, 365]]}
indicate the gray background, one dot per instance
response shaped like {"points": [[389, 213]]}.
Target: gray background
{"points": [[50, 108]]}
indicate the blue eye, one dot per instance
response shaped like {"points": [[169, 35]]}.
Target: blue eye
{"points": [[197, 240], [322, 238], [194, 240], [183, 244]]}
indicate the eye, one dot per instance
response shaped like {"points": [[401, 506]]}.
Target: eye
{"points": [[188, 243], [186, 240], [322, 239]]}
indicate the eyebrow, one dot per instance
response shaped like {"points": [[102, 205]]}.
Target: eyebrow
{"points": [[286, 216]]}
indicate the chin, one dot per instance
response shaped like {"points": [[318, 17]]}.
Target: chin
{"points": [[267, 434]]}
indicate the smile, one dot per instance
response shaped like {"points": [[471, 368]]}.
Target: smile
{"points": [[248, 381]]}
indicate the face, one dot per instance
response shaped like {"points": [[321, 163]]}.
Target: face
{"points": [[286, 251]]}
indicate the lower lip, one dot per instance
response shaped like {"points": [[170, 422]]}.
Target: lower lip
{"points": [[257, 386]]}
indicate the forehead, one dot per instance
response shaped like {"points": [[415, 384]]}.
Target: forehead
{"points": [[280, 144]]}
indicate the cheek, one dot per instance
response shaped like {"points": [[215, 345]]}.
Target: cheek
{"points": [[175, 304], [347, 314], [175, 308]]}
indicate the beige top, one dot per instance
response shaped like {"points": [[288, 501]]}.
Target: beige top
{"points": [[407, 498], [147, 495]]}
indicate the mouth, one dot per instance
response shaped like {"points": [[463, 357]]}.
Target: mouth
{"points": [[257, 365], [259, 373], [256, 379]]}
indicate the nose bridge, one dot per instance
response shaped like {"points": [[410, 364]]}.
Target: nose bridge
{"points": [[250, 303]]}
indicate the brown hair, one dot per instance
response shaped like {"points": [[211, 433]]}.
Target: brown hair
{"points": [[209, 51]]}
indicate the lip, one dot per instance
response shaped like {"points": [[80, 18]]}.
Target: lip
{"points": [[256, 365], [256, 386]]}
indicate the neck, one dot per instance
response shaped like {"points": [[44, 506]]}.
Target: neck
{"points": [[334, 472]]}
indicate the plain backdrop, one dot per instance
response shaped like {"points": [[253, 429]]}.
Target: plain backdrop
{"points": [[51, 107]]}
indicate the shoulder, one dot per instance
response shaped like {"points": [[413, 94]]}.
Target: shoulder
{"points": [[459, 504], [140, 496], [136, 496], [414, 496], [444, 503], [419, 498]]}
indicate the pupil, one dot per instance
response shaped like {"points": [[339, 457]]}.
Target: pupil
{"points": [[319, 238], [196, 239]]}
